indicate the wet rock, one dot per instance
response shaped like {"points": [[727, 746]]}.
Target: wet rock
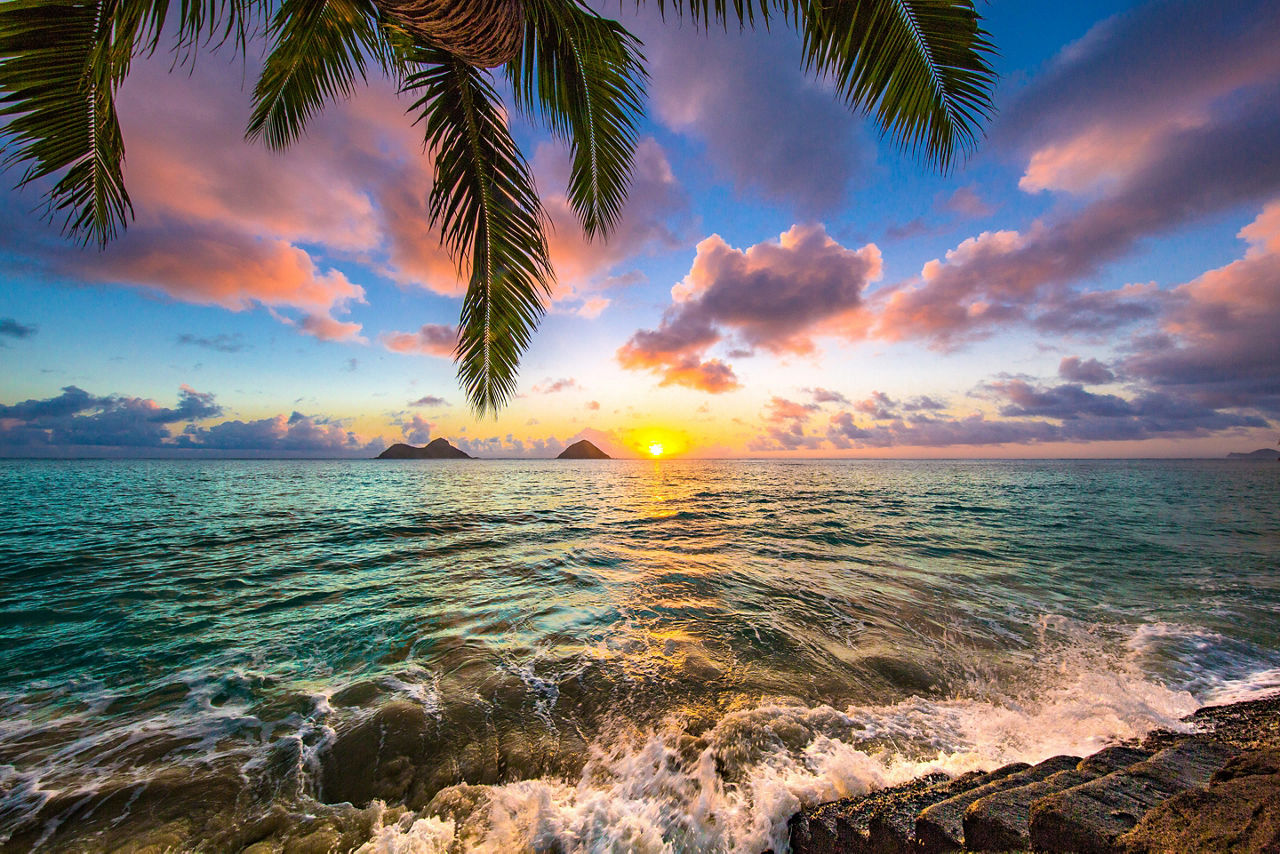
{"points": [[379, 758], [1091, 817], [843, 827], [130, 815], [1002, 821], [940, 827], [1238, 812], [359, 694], [881, 821], [1111, 759], [892, 830]]}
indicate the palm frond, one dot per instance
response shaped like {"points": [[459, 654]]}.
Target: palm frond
{"points": [[584, 75], [484, 201], [921, 67], [319, 48], [60, 64], [706, 13]]}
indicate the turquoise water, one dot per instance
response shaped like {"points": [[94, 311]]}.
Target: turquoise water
{"points": [[623, 655]]}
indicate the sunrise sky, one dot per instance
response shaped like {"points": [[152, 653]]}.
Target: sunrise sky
{"points": [[1101, 279]]}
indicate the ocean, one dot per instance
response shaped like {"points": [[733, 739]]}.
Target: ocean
{"points": [[593, 656]]}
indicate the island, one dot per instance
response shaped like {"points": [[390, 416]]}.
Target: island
{"points": [[1260, 454], [583, 450], [436, 449]]}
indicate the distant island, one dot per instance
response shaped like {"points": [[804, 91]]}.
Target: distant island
{"points": [[436, 449], [583, 450], [1260, 454]]}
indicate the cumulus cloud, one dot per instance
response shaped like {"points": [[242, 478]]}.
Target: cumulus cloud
{"points": [[417, 430], [965, 201], [826, 395], [228, 223], [295, 433], [1088, 372], [509, 446], [432, 339], [1028, 414], [1005, 277], [776, 296], [76, 420]]}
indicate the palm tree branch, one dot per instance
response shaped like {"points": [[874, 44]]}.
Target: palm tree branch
{"points": [[491, 221], [584, 76], [319, 49], [61, 62], [921, 66]]}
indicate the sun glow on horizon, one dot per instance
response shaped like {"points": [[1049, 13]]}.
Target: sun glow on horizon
{"points": [[655, 449]]}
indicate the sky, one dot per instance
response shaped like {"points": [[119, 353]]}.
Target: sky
{"points": [[1100, 279]]}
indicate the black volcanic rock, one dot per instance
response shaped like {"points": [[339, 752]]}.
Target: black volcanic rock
{"points": [[1260, 454], [583, 450], [436, 449]]}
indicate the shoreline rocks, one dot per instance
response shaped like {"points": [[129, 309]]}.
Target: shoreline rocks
{"points": [[1214, 790]]}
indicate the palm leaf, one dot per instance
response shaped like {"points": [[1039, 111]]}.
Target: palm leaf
{"points": [[60, 64], [319, 49], [584, 75], [920, 66], [484, 201]]}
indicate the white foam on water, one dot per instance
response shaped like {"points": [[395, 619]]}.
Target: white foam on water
{"points": [[1215, 668], [1261, 683], [733, 789]]}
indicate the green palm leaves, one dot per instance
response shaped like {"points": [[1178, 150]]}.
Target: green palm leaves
{"points": [[919, 66], [60, 65], [488, 211]]}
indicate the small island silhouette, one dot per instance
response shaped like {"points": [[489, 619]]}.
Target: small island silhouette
{"points": [[1260, 454], [436, 449], [583, 450]]}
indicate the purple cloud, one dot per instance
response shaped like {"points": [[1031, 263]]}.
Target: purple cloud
{"points": [[1090, 372], [774, 296], [1217, 342]]}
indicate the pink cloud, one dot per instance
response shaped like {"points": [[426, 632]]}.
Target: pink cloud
{"points": [[1177, 60], [228, 223], [776, 295], [1217, 341], [235, 272], [432, 339]]}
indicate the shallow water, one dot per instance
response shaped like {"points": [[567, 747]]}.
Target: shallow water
{"points": [[615, 655]]}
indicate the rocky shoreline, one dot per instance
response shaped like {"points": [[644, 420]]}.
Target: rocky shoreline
{"points": [[1215, 789]]}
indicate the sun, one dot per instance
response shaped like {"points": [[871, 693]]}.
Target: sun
{"points": [[655, 450]]}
